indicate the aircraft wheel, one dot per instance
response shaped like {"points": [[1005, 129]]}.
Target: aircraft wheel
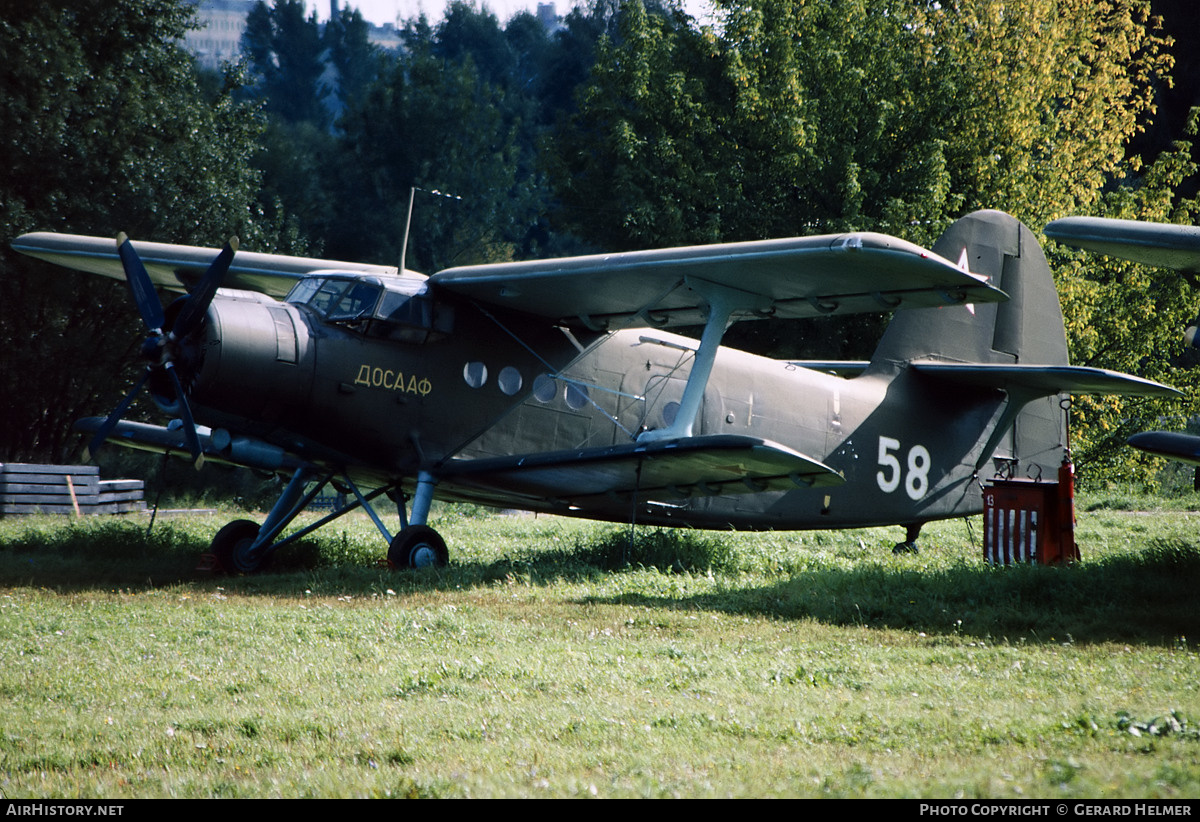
{"points": [[230, 544], [418, 546]]}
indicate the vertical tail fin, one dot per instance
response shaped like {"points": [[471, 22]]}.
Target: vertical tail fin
{"points": [[1028, 328]]}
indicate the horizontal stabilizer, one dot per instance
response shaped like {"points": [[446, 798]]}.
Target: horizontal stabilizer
{"points": [[1163, 245], [1176, 446], [1044, 380], [652, 471], [840, 368], [785, 278], [179, 267]]}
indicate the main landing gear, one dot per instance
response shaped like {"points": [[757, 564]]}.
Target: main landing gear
{"points": [[909, 546], [245, 547]]}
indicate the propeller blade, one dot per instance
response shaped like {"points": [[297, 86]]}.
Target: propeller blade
{"points": [[111, 422], [198, 300], [140, 284], [189, 425]]}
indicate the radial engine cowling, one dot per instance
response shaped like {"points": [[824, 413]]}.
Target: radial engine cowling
{"points": [[257, 360]]}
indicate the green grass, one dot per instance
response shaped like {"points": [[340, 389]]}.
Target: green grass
{"points": [[554, 658]]}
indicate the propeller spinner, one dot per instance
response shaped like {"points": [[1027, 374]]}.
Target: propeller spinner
{"points": [[163, 346]]}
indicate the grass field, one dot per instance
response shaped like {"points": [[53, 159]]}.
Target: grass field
{"points": [[552, 658]]}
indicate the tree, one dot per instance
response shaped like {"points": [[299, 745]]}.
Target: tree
{"points": [[355, 60], [1051, 96], [437, 126], [106, 129], [790, 120], [646, 160], [467, 33], [285, 52]]}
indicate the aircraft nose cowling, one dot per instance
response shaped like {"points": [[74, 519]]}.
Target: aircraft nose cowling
{"points": [[257, 360]]}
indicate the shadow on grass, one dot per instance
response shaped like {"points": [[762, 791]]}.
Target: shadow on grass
{"points": [[92, 554], [1147, 597]]}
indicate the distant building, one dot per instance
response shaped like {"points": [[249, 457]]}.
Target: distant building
{"points": [[223, 21], [220, 39], [386, 37]]}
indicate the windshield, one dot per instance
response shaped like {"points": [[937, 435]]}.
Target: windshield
{"points": [[399, 309], [337, 299]]}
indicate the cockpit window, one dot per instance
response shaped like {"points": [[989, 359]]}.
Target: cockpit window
{"points": [[406, 309], [337, 299], [398, 309], [356, 302]]}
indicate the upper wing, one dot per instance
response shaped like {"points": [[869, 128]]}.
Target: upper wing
{"points": [[1158, 244], [1176, 446], [178, 267], [790, 278], [800, 277]]}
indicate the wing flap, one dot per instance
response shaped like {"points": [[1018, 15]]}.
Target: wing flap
{"points": [[787, 278], [178, 267], [656, 471], [1044, 380]]}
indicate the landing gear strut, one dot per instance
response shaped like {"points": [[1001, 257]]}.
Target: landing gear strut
{"points": [[417, 545], [244, 547], [909, 546]]}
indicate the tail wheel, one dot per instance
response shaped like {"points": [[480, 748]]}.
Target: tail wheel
{"points": [[418, 546], [231, 546]]}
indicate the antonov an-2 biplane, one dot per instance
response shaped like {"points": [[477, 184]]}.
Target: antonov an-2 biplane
{"points": [[553, 385], [1162, 245]]}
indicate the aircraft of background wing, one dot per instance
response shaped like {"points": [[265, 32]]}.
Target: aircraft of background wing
{"points": [[1163, 245], [553, 385]]}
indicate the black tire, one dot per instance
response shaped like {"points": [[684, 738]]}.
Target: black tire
{"points": [[418, 546], [230, 544]]}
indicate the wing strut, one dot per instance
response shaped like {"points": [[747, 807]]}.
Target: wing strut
{"points": [[722, 302]]}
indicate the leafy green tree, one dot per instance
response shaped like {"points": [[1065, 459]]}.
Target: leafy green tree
{"points": [[645, 160], [797, 117], [354, 59], [285, 52], [470, 33], [438, 126], [570, 55], [1051, 96], [106, 129], [304, 77]]}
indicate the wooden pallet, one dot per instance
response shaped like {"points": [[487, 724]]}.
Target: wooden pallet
{"points": [[27, 488]]}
